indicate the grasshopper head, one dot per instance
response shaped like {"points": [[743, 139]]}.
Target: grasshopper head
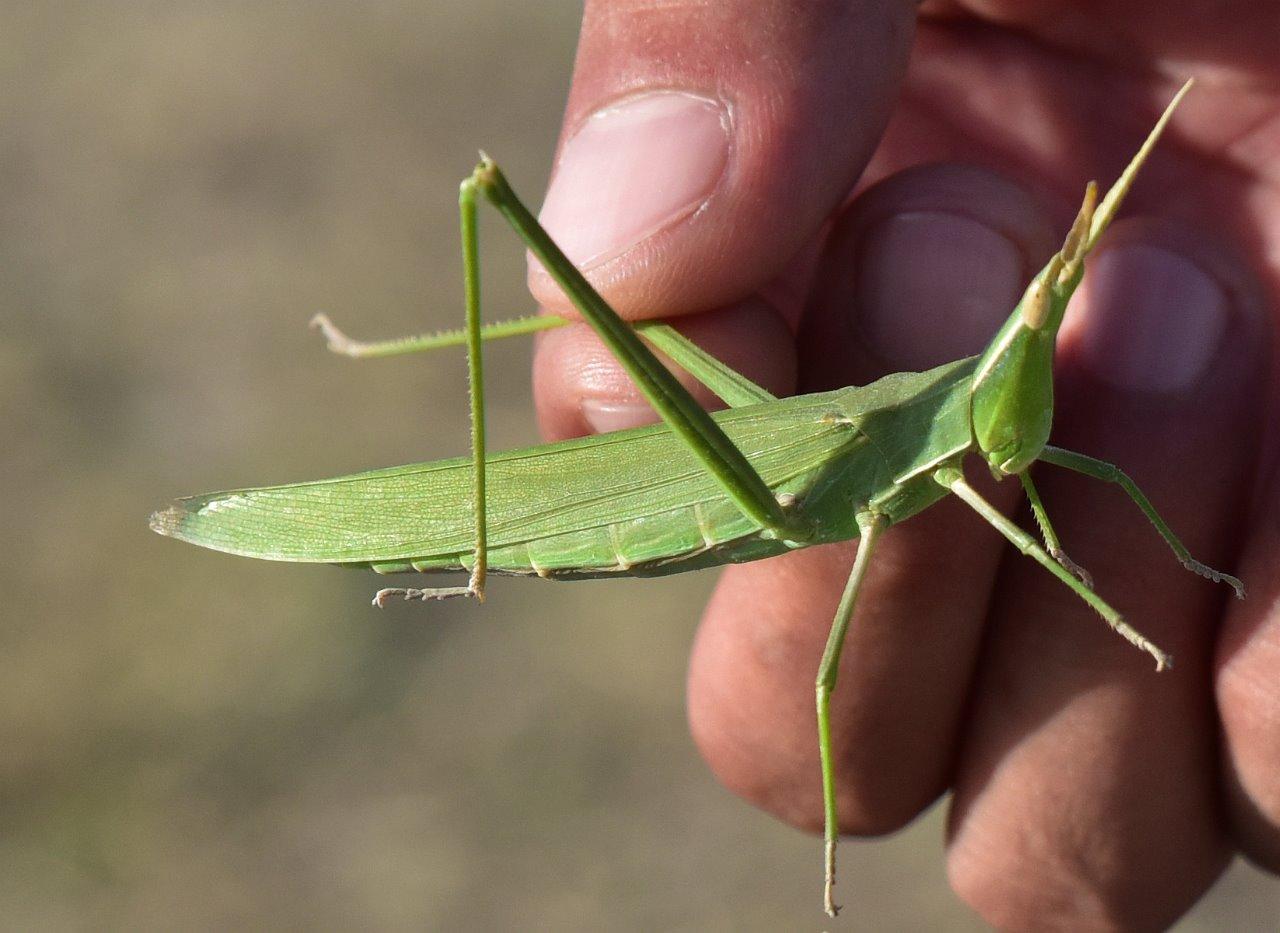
{"points": [[1012, 395]]}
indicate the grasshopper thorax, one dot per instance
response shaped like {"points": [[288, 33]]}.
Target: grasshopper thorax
{"points": [[1012, 394]]}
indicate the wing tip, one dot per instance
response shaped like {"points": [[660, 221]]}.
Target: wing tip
{"points": [[168, 521]]}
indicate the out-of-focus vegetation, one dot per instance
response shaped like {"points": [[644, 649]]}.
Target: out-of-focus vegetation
{"points": [[194, 740]]}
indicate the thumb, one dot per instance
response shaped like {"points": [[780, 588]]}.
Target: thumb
{"points": [[705, 143]]}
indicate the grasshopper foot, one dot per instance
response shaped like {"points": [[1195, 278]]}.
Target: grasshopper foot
{"points": [[1071, 566], [1164, 660], [384, 596], [337, 341], [1215, 575], [829, 904]]}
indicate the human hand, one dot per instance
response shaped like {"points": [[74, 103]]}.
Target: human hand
{"points": [[1088, 790]]}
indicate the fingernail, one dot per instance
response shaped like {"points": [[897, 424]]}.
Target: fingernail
{"points": [[933, 286], [633, 168], [1154, 319], [605, 416]]}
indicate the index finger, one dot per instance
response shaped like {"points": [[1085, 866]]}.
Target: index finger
{"points": [[703, 146]]}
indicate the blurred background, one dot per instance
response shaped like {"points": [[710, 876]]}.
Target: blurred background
{"points": [[194, 740]]}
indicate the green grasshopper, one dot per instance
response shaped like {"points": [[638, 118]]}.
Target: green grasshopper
{"points": [[764, 477]]}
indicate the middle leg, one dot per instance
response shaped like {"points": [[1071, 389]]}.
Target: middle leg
{"points": [[952, 479]]}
